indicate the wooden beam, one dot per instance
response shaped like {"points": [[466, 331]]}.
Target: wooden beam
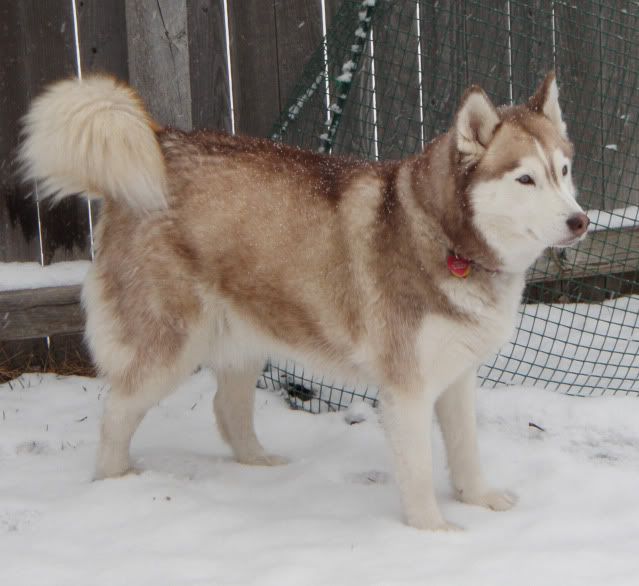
{"points": [[29, 313]]}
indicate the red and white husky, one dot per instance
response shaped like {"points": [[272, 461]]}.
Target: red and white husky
{"points": [[222, 250]]}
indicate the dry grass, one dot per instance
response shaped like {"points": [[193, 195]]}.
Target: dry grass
{"points": [[63, 355]]}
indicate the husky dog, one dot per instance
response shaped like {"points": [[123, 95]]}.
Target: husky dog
{"points": [[223, 250]]}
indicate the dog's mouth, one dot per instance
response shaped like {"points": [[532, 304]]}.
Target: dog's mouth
{"points": [[570, 241]]}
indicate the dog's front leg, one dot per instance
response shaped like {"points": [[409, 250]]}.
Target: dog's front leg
{"points": [[407, 416], [456, 413]]}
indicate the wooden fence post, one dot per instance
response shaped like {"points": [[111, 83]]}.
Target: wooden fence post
{"points": [[49, 54], [579, 68], [531, 45], [19, 231], [210, 99], [159, 58], [397, 83], [254, 63], [443, 63]]}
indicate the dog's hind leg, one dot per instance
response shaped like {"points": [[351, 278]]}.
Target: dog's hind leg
{"points": [[124, 410], [456, 413], [233, 407]]}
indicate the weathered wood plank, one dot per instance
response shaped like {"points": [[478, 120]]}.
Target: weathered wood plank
{"points": [[299, 32], [397, 82], [332, 7], [102, 35], [531, 45], [443, 63], [64, 354], [159, 58], [49, 54], [19, 232], [486, 43], [210, 100], [29, 313], [253, 45], [68, 354], [577, 34], [18, 356]]}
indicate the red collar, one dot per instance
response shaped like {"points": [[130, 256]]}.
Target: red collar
{"points": [[461, 267], [458, 266]]}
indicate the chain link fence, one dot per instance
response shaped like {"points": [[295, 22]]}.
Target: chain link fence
{"points": [[387, 79]]}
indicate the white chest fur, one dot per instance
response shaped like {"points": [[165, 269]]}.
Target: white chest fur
{"points": [[448, 347]]}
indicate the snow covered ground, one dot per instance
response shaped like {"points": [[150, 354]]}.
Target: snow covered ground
{"points": [[575, 348], [332, 516]]}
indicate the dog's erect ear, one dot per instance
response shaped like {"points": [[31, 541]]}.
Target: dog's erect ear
{"points": [[546, 102], [475, 124]]}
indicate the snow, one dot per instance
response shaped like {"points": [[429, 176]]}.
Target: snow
{"points": [[578, 348], [361, 33], [618, 218], [332, 516], [344, 78], [30, 275], [573, 348]]}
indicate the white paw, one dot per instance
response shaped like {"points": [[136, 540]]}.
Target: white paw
{"points": [[430, 522], [496, 500], [112, 464], [263, 459], [447, 526], [101, 474]]}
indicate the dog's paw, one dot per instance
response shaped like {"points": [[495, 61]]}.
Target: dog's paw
{"points": [[496, 500], [263, 459], [431, 522], [117, 473], [439, 525], [448, 527]]}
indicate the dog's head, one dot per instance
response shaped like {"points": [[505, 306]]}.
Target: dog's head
{"points": [[517, 164]]}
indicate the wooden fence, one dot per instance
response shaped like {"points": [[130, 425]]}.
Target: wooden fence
{"points": [[229, 65], [175, 53]]}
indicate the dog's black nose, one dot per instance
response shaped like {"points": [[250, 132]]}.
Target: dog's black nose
{"points": [[578, 223]]}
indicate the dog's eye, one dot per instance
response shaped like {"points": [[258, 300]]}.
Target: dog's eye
{"points": [[564, 170], [526, 180]]}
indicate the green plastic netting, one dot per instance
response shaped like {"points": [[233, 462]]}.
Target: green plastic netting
{"points": [[387, 78]]}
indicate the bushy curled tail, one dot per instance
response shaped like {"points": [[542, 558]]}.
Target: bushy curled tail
{"points": [[93, 136]]}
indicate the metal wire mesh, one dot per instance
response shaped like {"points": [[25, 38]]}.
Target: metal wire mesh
{"points": [[382, 88]]}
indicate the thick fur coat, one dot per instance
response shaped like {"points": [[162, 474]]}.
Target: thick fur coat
{"points": [[223, 250]]}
